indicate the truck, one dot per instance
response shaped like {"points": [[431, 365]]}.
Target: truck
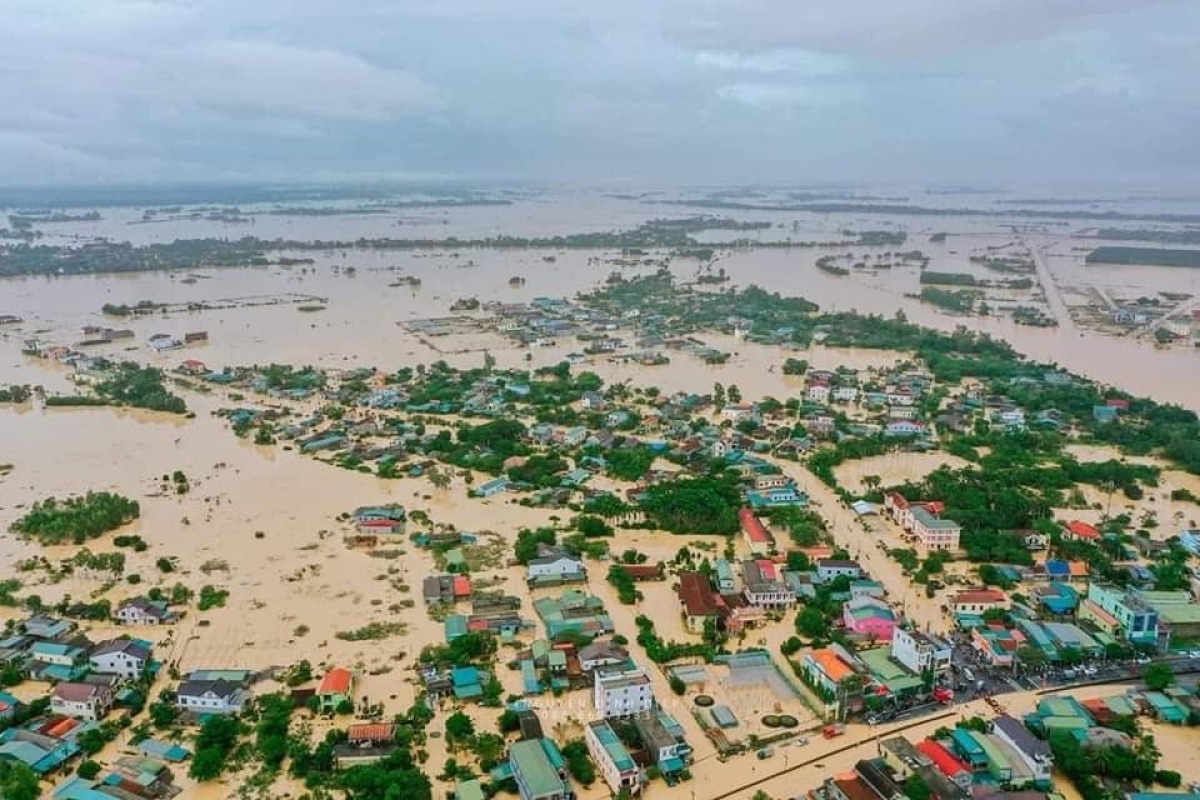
{"points": [[765, 753], [834, 730]]}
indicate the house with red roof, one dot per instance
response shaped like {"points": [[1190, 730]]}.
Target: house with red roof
{"points": [[337, 687], [1082, 532], [699, 601], [977, 601], [756, 535], [946, 762]]}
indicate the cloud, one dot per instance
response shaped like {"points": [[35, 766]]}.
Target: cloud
{"points": [[687, 90]]}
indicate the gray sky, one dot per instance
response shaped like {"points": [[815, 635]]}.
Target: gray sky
{"points": [[1033, 92]]}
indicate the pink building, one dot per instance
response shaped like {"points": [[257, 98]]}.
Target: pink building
{"points": [[869, 617]]}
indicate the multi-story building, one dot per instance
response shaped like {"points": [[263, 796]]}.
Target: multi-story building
{"points": [[1035, 752], [663, 740], [762, 586], [1134, 618], [620, 771], [935, 533], [622, 691], [89, 701], [921, 652]]}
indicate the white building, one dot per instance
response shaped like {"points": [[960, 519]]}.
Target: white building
{"points": [[211, 697], [126, 658], [140, 611], [899, 398], [622, 692], [830, 568], [620, 771], [933, 532], [87, 701], [920, 652], [845, 394], [765, 482], [762, 587], [817, 393], [554, 562]]}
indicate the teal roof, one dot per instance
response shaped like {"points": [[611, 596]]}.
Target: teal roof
{"points": [[455, 626], [529, 678], [612, 745]]}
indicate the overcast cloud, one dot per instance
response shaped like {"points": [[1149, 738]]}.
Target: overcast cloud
{"points": [[1013, 92]]}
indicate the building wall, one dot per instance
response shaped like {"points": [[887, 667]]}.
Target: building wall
{"points": [[622, 700], [118, 664], [563, 566]]}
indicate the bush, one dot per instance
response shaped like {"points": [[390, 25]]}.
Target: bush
{"points": [[1168, 778], [89, 769]]}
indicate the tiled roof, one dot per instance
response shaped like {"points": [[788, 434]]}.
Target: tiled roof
{"points": [[336, 681], [696, 595], [75, 692], [831, 664]]}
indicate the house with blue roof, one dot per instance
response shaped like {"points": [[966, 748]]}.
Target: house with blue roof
{"points": [[1056, 598]]}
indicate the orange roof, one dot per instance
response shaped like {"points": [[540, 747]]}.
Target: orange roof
{"points": [[336, 681], [462, 586], [1082, 530], [833, 666], [1079, 569]]}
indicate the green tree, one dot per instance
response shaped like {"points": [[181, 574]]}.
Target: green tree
{"points": [[1158, 676], [18, 782], [580, 765], [592, 526], [916, 789], [459, 729]]}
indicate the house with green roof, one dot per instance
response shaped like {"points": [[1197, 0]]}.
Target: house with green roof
{"points": [[573, 611], [539, 770]]}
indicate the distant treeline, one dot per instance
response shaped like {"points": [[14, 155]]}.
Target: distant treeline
{"points": [[1143, 235], [250, 251], [1147, 256], [904, 209]]}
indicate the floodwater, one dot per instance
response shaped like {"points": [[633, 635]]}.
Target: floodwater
{"points": [[261, 522]]}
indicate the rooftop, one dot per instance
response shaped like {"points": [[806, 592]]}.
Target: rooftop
{"points": [[612, 745], [538, 762]]}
